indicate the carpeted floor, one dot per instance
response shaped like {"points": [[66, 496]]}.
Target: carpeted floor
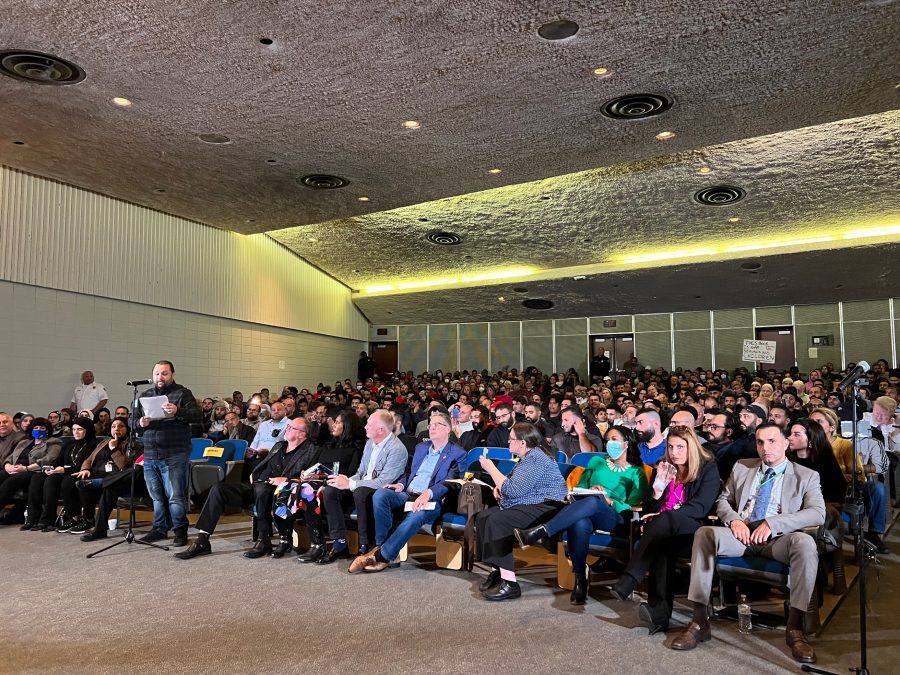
{"points": [[135, 609]]}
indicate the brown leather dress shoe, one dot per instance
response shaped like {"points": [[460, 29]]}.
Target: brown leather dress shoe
{"points": [[801, 650], [691, 636], [381, 566], [360, 562]]}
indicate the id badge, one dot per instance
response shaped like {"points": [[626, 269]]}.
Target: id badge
{"points": [[109, 467]]}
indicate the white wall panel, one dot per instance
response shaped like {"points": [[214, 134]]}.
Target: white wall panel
{"points": [[58, 236]]}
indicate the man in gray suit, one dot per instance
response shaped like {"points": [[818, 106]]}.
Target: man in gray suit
{"points": [[383, 461], [764, 506]]}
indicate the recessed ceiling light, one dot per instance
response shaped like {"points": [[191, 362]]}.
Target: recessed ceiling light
{"points": [[272, 161], [558, 30], [160, 191], [423, 220], [501, 299], [546, 198], [266, 41], [703, 170], [600, 72], [494, 171], [312, 239], [356, 271], [214, 139], [250, 220], [18, 142], [412, 124], [734, 220], [363, 199], [665, 135], [579, 277], [121, 101]]}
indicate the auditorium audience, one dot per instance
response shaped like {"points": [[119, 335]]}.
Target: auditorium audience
{"points": [[28, 458]]}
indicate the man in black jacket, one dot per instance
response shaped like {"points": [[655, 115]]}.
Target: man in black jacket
{"points": [[167, 452], [287, 459]]}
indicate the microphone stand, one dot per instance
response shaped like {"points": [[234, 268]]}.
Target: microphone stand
{"points": [[132, 445], [855, 509]]}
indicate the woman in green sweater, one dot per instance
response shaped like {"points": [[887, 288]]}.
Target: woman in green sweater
{"points": [[617, 483]]}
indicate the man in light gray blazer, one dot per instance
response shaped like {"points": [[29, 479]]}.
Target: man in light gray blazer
{"points": [[383, 461], [764, 506]]}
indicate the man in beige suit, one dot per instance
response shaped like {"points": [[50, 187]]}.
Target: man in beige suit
{"points": [[764, 506]]}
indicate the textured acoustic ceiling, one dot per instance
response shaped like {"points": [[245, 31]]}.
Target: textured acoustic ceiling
{"points": [[793, 102]]}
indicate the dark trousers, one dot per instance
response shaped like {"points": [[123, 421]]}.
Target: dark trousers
{"points": [[580, 519], [237, 494], [80, 502], [657, 551], [338, 502], [494, 539], [43, 495], [109, 495], [11, 484]]}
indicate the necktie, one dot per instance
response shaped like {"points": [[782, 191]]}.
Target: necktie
{"points": [[763, 495]]}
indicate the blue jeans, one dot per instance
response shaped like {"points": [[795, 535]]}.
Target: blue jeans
{"points": [[876, 498], [385, 501], [580, 519], [167, 483]]}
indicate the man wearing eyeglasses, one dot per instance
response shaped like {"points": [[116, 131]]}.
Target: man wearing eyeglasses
{"points": [[436, 460], [499, 435]]}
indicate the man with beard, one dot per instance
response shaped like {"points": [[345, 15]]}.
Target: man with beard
{"points": [[206, 406], [477, 436], [217, 422], [236, 430], [499, 435], [252, 416], [726, 442], [554, 410], [572, 437], [779, 415], [651, 442]]}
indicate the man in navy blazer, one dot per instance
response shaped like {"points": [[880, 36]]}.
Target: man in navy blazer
{"points": [[435, 461]]}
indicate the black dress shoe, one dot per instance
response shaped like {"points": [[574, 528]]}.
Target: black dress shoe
{"points": [[490, 581], [531, 536], [27, 526], [506, 591], [200, 546], [579, 593], [332, 555], [646, 617], [872, 537], [93, 535], [181, 538], [262, 547], [314, 554], [284, 547]]}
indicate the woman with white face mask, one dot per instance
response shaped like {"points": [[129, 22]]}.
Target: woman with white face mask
{"points": [[620, 483]]}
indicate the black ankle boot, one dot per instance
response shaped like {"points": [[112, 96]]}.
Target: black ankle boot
{"points": [[199, 547], [284, 547], [531, 536], [579, 593], [262, 547]]}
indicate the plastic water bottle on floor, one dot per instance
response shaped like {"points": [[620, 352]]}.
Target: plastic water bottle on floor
{"points": [[745, 624]]}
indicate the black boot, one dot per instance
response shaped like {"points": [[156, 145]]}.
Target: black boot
{"points": [[199, 547], [531, 536], [263, 546], [284, 547], [317, 547], [180, 536], [579, 593]]}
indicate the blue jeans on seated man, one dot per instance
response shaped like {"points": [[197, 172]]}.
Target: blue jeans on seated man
{"points": [[580, 519], [167, 484], [876, 498], [385, 501]]}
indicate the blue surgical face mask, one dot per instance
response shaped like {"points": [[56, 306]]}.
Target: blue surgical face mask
{"points": [[615, 449], [38, 434]]}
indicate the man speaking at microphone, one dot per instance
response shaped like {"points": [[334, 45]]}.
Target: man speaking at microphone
{"points": [[167, 452]]}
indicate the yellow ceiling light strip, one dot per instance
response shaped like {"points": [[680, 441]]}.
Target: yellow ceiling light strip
{"points": [[668, 255], [778, 244], [873, 232]]}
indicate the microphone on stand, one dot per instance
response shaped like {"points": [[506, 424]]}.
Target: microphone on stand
{"points": [[137, 383], [861, 369]]}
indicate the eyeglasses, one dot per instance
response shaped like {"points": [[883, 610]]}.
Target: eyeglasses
{"points": [[713, 426], [437, 424]]}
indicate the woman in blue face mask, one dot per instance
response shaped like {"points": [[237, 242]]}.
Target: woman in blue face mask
{"points": [[28, 459], [620, 483]]}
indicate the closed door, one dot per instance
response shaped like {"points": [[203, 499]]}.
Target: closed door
{"points": [[619, 348], [783, 338], [385, 355]]}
